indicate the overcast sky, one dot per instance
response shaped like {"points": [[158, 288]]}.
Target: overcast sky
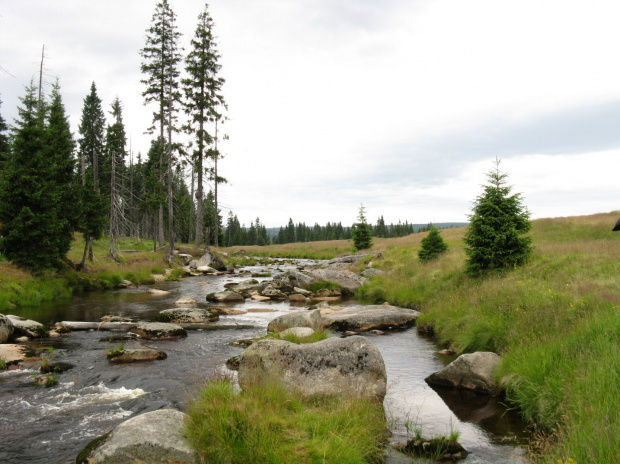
{"points": [[399, 105]]}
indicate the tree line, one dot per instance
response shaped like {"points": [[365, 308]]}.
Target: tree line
{"points": [[47, 192]]}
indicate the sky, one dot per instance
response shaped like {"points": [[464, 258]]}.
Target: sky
{"points": [[401, 106]]}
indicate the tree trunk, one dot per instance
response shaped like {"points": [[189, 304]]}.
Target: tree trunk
{"points": [[217, 216]]}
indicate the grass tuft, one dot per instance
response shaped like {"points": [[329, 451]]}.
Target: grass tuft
{"points": [[268, 424]]}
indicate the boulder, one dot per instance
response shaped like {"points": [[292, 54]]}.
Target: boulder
{"points": [[136, 355], [156, 291], [6, 328], [372, 272], [26, 327], [185, 258], [206, 270], [159, 331], [293, 279], [310, 319], [226, 297], [211, 260], [247, 287], [472, 371], [300, 332], [333, 366], [185, 301], [273, 293], [296, 298], [350, 259], [370, 317], [154, 437], [302, 291], [348, 280], [257, 297], [187, 315], [126, 284]]}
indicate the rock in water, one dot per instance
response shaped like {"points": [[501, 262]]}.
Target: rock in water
{"points": [[136, 355], [226, 297], [6, 328], [154, 437], [189, 315], [310, 319], [27, 327], [159, 331], [350, 365], [370, 317], [473, 371], [211, 260]]}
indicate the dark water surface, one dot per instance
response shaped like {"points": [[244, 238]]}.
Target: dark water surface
{"points": [[51, 425]]}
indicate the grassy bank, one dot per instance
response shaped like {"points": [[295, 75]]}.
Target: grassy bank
{"points": [[554, 321], [270, 425], [19, 288]]}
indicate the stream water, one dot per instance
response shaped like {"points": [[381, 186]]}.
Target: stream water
{"points": [[51, 425]]}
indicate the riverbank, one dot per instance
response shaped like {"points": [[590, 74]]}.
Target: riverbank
{"points": [[554, 321]]}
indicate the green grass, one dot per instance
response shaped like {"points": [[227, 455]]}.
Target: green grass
{"points": [[314, 287], [555, 322], [271, 425]]}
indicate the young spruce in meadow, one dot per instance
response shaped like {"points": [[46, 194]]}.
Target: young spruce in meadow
{"points": [[498, 222], [433, 245]]}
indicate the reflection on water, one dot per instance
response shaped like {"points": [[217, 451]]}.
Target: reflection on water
{"points": [[39, 425]]}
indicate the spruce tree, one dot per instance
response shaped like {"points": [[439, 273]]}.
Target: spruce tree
{"points": [[58, 150], [91, 150], [203, 102], [433, 245], [115, 151], [161, 57], [362, 231], [494, 238], [30, 210]]}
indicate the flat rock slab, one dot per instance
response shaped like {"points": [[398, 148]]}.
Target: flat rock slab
{"points": [[137, 355], [153, 437], [188, 315], [156, 291], [159, 331], [381, 317], [185, 301], [12, 354], [472, 371], [334, 366]]}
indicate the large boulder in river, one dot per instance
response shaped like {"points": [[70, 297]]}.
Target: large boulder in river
{"points": [[187, 315], [472, 371], [246, 287], [154, 437], [6, 328], [350, 365], [26, 327], [211, 260], [226, 297], [302, 318], [349, 281], [159, 331], [380, 317]]}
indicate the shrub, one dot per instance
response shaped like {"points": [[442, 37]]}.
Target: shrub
{"points": [[433, 245]]}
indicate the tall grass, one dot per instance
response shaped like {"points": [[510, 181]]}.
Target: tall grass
{"points": [[555, 321], [268, 424]]}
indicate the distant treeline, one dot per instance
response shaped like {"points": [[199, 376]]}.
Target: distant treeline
{"points": [[257, 234]]}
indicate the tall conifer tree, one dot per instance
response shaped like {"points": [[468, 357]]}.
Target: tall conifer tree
{"points": [[115, 148], [91, 149], [4, 139], [203, 103], [161, 57]]}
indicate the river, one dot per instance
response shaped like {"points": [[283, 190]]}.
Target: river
{"points": [[51, 425]]}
